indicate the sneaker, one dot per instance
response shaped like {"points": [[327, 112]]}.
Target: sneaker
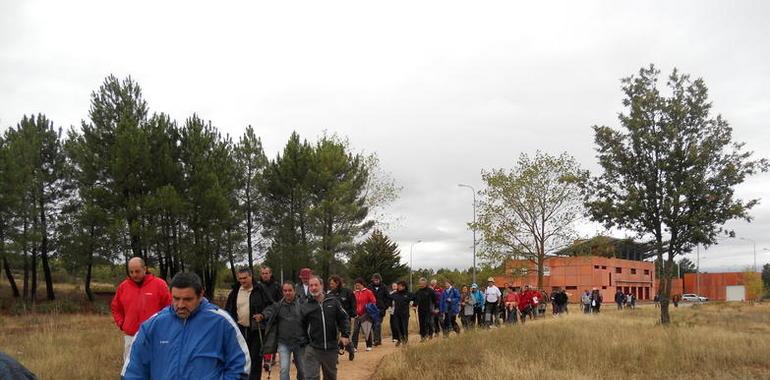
{"points": [[368, 349], [395, 340], [355, 350]]}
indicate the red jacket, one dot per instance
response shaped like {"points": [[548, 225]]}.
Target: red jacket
{"points": [[132, 304], [363, 297], [526, 299]]}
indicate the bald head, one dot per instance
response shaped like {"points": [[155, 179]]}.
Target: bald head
{"points": [[137, 269]]}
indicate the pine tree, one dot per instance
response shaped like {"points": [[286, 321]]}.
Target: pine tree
{"points": [[378, 254]]}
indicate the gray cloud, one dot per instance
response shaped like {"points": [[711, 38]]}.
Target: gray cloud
{"points": [[439, 90]]}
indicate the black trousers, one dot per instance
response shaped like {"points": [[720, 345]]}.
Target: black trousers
{"points": [[424, 318], [254, 343], [450, 323], [401, 321]]}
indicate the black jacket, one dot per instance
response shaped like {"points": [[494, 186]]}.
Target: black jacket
{"points": [[401, 301], [323, 321], [347, 299], [382, 296], [425, 300], [284, 324], [272, 289], [258, 300]]}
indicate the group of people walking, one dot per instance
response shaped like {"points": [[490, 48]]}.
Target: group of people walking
{"points": [[179, 334]]}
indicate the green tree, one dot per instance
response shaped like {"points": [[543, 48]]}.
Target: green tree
{"points": [[378, 254], [287, 204], [337, 194], [252, 163], [8, 203], [670, 170], [115, 135], [531, 210]]}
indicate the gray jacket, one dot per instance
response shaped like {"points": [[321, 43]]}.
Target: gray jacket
{"points": [[284, 325]]}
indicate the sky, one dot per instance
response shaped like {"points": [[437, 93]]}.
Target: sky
{"points": [[438, 90]]}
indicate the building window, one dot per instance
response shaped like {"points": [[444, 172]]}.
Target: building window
{"points": [[618, 270], [633, 271], [604, 287], [572, 288], [596, 267], [646, 272], [604, 267]]}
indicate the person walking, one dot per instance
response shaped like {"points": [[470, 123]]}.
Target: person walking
{"points": [[271, 287], [619, 298], [284, 334], [137, 298], [402, 300], [381, 293], [585, 300], [363, 322], [467, 302], [245, 301], [512, 305], [191, 339], [337, 289], [323, 320], [424, 301], [392, 319], [527, 303], [492, 297], [303, 288], [450, 308], [438, 318], [478, 307], [596, 301]]}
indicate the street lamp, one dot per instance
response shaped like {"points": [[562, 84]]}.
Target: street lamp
{"points": [[755, 250], [411, 248], [474, 228]]}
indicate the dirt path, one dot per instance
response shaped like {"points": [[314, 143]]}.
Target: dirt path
{"points": [[362, 367]]}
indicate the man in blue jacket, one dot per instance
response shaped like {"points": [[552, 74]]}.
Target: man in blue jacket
{"points": [[450, 307], [191, 339]]}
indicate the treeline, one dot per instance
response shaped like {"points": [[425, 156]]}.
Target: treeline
{"points": [[181, 195]]}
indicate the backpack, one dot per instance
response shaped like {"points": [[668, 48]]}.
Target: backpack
{"points": [[374, 313]]}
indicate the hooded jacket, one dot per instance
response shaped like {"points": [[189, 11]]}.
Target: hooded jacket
{"points": [[133, 303], [206, 345], [323, 321], [450, 301], [363, 298]]}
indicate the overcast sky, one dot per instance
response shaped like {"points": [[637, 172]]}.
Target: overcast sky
{"points": [[439, 90]]}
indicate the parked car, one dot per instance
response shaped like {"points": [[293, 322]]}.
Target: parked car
{"points": [[690, 297]]}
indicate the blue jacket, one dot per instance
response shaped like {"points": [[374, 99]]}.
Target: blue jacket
{"points": [[479, 297], [208, 345], [450, 301]]}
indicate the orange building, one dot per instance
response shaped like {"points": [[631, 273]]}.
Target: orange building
{"points": [[728, 286], [580, 273]]}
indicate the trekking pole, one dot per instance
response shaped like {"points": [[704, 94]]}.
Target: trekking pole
{"points": [[267, 366]]}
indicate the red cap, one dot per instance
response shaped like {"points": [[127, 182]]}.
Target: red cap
{"points": [[305, 273]]}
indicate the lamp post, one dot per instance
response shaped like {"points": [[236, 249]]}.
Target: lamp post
{"points": [[411, 248], [755, 250], [474, 228]]}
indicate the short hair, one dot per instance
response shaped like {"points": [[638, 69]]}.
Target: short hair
{"points": [[266, 267], [402, 283], [288, 282], [336, 279], [320, 280], [376, 276], [422, 279], [184, 280], [360, 281], [246, 270]]}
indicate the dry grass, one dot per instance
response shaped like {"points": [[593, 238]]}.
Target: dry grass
{"points": [[711, 342], [64, 346]]}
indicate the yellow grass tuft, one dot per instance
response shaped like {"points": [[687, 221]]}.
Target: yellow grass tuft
{"points": [[714, 342]]}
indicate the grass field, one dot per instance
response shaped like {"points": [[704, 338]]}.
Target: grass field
{"points": [[717, 341]]}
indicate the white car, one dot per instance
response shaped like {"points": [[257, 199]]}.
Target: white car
{"points": [[690, 297]]}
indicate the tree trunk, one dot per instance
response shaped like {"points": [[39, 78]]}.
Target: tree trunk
{"points": [[9, 276], [249, 225], [90, 264], [25, 291], [33, 285], [44, 251], [540, 266]]}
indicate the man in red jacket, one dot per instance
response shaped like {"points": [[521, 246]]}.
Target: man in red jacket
{"points": [[138, 298]]}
